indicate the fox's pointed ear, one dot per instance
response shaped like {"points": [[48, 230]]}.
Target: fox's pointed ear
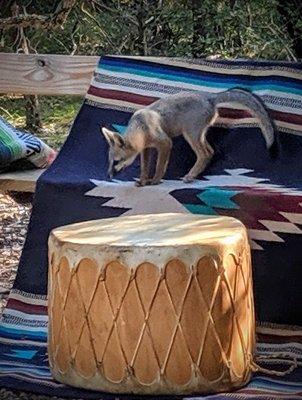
{"points": [[113, 138]]}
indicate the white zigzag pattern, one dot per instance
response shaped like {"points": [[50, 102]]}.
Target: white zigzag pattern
{"points": [[273, 227], [157, 199]]}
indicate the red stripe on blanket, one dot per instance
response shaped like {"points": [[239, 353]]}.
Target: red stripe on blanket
{"points": [[278, 339], [224, 112], [277, 115], [122, 96], [26, 308]]}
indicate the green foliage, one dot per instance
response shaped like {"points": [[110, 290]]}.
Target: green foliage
{"points": [[224, 28], [248, 29], [57, 114]]}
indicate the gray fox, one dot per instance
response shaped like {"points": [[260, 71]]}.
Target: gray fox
{"points": [[188, 114]]}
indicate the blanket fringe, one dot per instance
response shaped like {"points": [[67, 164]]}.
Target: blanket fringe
{"points": [[272, 358]]}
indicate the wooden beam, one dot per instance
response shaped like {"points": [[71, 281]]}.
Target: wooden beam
{"points": [[20, 181], [45, 74]]}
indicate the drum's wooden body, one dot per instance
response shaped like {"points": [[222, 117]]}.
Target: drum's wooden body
{"points": [[154, 304]]}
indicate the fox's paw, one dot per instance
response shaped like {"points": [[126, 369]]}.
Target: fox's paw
{"points": [[140, 183], [154, 182], [143, 182], [188, 178]]}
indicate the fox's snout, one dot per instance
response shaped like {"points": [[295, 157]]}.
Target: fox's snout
{"points": [[110, 173], [113, 170]]}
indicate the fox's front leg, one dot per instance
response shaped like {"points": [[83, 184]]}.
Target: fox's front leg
{"points": [[163, 149], [145, 165]]}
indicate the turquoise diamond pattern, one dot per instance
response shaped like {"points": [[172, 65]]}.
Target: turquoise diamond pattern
{"points": [[219, 198], [120, 128], [213, 197], [200, 209], [24, 354]]}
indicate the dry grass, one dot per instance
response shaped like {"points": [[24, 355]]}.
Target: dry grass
{"points": [[14, 219], [57, 113]]}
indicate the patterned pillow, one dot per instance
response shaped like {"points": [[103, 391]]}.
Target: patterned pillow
{"points": [[18, 145]]}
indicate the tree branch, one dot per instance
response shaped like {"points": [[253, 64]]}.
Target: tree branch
{"points": [[57, 18], [104, 33]]}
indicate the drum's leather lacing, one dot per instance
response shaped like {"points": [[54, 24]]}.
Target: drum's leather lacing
{"points": [[272, 358]]}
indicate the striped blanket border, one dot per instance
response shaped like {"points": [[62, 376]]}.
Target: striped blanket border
{"points": [[129, 83], [24, 326]]}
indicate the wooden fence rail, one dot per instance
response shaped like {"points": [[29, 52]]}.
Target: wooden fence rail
{"points": [[45, 74]]}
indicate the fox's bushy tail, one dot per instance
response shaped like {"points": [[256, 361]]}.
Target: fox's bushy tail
{"points": [[257, 107]]}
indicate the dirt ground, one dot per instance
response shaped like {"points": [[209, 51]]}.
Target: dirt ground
{"points": [[14, 219]]}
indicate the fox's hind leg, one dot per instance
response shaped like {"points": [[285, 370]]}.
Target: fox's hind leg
{"points": [[197, 139], [203, 136], [205, 144], [203, 153]]}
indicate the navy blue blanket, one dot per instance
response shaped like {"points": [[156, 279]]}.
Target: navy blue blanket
{"points": [[243, 181]]}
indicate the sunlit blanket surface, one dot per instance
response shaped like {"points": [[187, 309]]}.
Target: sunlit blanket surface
{"points": [[243, 181]]}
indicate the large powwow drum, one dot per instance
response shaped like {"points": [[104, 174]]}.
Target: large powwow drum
{"points": [[153, 304]]}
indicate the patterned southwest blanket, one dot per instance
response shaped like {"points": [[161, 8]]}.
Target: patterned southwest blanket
{"points": [[16, 145], [242, 181]]}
